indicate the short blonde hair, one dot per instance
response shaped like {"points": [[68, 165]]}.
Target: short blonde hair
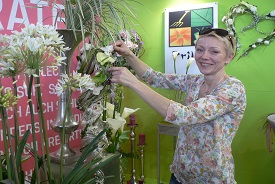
{"points": [[228, 40]]}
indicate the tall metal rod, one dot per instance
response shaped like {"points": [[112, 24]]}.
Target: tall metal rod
{"points": [[132, 138], [141, 180]]}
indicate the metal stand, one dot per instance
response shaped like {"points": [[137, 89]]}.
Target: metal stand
{"points": [[141, 180], [132, 137]]}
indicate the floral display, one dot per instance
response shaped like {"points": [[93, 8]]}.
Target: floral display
{"points": [[102, 107], [30, 49], [243, 8], [27, 52]]}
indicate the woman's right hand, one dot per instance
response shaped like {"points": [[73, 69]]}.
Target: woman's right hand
{"points": [[122, 76]]}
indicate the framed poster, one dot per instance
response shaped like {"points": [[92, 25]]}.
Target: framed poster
{"points": [[182, 26]]}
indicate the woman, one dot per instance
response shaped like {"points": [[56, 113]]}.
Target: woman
{"points": [[209, 118]]}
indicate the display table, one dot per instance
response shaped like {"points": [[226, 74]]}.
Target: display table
{"points": [[110, 169], [167, 129]]}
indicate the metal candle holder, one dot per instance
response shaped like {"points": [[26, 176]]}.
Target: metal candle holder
{"points": [[132, 127], [141, 180]]}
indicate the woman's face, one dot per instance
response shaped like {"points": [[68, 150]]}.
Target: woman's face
{"points": [[210, 55]]}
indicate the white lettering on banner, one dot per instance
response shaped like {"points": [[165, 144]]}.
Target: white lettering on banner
{"points": [[73, 103], [21, 91], [50, 71], [21, 130], [47, 107], [1, 6], [49, 122], [78, 117], [75, 135], [53, 141], [28, 174], [52, 89], [40, 5], [13, 19], [19, 112]]}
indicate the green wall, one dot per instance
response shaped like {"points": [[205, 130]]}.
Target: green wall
{"points": [[253, 163]]}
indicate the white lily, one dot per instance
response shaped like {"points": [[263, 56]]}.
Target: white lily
{"points": [[116, 124], [175, 54]]}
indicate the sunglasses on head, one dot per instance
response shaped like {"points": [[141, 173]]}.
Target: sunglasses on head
{"points": [[219, 32]]}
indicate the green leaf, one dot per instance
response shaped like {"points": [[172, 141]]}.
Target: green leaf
{"points": [[124, 136], [202, 17]]}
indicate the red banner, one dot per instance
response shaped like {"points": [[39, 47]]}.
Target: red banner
{"points": [[14, 15]]}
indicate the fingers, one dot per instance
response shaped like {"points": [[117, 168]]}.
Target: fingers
{"points": [[120, 75]]}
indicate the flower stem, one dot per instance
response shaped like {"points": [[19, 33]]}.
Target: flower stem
{"points": [[33, 127], [6, 146], [42, 121]]}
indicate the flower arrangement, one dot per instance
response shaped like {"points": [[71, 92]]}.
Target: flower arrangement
{"points": [[102, 108], [26, 52], [242, 8]]}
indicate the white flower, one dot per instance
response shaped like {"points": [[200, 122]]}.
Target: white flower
{"points": [[259, 40], [230, 21], [224, 18], [75, 81], [231, 33], [96, 90], [88, 47], [253, 9], [108, 50], [175, 54], [117, 123], [31, 48], [253, 46], [239, 10], [272, 13], [127, 111], [266, 42]]}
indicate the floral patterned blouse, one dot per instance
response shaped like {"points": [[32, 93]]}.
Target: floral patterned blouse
{"points": [[207, 126]]}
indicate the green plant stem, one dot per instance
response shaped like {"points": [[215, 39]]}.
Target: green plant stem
{"points": [[104, 109], [42, 121], [12, 157], [16, 125], [6, 146], [33, 128], [15, 116], [7, 132]]}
